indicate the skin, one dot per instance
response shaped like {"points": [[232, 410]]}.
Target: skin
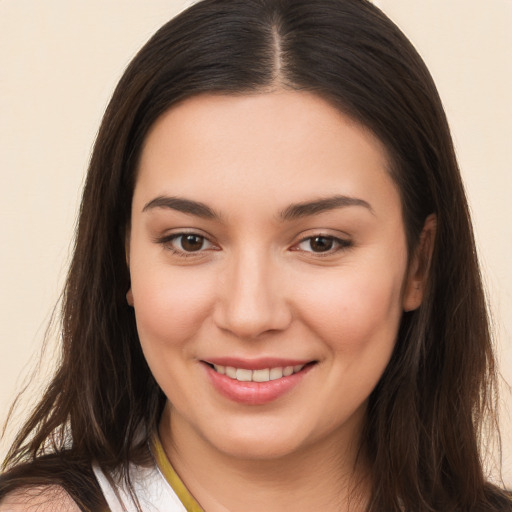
{"points": [[258, 286], [39, 499]]}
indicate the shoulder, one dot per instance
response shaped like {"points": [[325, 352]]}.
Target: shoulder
{"points": [[50, 498], [57, 482]]}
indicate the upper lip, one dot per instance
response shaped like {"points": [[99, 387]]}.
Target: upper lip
{"points": [[256, 364]]}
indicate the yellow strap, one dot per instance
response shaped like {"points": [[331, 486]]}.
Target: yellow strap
{"points": [[172, 477]]}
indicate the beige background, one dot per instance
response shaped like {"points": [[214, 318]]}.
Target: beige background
{"points": [[59, 62]]}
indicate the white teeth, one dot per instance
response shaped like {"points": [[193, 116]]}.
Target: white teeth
{"points": [[243, 375], [231, 372], [220, 369], [288, 370], [263, 375], [275, 373]]}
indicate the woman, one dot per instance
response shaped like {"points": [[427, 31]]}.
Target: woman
{"points": [[274, 299]]}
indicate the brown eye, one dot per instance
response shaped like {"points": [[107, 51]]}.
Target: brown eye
{"points": [[191, 243], [186, 244], [321, 243]]}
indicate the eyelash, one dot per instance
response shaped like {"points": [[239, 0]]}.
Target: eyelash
{"points": [[167, 241], [338, 243]]}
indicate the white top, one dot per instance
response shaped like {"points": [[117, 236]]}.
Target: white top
{"points": [[158, 488], [152, 491]]}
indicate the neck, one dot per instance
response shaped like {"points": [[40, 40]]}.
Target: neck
{"points": [[326, 475]]}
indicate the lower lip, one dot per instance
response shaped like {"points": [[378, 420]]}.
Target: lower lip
{"points": [[254, 393]]}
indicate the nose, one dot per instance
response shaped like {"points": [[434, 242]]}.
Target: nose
{"points": [[252, 297]]}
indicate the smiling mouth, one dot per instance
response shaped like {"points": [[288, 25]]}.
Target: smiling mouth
{"points": [[261, 375]]}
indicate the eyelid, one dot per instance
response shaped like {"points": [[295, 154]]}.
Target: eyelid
{"points": [[342, 243], [167, 239]]}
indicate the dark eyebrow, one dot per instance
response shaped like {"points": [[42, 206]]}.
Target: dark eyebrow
{"points": [[296, 211], [182, 205], [292, 212]]}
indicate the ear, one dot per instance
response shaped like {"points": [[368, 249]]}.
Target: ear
{"points": [[129, 297], [127, 238], [419, 266], [129, 293]]}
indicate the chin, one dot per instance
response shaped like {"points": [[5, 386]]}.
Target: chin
{"points": [[260, 441], [262, 449]]}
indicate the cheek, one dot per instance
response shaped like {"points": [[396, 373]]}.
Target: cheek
{"points": [[356, 309], [170, 304]]}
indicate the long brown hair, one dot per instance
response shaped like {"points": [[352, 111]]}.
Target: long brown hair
{"points": [[426, 414]]}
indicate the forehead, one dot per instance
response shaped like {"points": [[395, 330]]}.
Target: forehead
{"points": [[268, 148]]}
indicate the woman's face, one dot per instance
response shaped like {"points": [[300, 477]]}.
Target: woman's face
{"points": [[269, 270]]}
